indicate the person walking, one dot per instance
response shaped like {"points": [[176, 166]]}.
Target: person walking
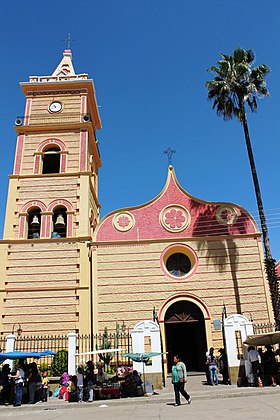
{"points": [[212, 365], [179, 378]]}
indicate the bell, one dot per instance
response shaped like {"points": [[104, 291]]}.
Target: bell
{"points": [[35, 221], [59, 221]]}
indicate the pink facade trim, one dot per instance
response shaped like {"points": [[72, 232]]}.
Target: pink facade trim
{"points": [[278, 268], [202, 222], [52, 142], [63, 163], [182, 296], [19, 153], [60, 203], [43, 225], [83, 151], [188, 251], [22, 225], [37, 164], [69, 225], [27, 111], [48, 226], [33, 203], [55, 142]]}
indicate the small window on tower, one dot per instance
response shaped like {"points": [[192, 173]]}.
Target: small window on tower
{"points": [[34, 224], [51, 161]]}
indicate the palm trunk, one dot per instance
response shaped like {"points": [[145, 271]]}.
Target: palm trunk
{"points": [[269, 261], [257, 189]]}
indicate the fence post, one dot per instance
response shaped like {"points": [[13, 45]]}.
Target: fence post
{"points": [[72, 338], [10, 347]]}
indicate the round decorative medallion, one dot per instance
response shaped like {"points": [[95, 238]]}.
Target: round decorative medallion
{"points": [[174, 218], [226, 215], [123, 221]]}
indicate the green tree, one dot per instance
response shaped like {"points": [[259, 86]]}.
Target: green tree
{"points": [[59, 363], [238, 85]]}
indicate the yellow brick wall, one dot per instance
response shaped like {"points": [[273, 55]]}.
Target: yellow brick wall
{"points": [[131, 282], [33, 140], [41, 288], [39, 108]]}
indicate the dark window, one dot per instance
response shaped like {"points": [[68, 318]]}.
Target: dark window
{"points": [[178, 264], [34, 224], [51, 161], [59, 223]]}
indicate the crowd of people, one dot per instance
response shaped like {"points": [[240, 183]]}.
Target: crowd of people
{"points": [[37, 385], [89, 382], [80, 387], [215, 365], [262, 367], [26, 384]]}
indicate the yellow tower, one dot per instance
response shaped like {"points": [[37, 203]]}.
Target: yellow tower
{"points": [[52, 207]]}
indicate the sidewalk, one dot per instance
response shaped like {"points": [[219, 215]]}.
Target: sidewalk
{"points": [[195, 387]]}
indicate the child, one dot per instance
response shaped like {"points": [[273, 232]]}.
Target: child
{"points": [[45, 385], [80, 384]]}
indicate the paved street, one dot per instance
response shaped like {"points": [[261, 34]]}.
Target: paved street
{"points": [[221, 402], [249, 407]]}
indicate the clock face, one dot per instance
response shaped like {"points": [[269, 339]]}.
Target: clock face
{"points": [[55, 107]]}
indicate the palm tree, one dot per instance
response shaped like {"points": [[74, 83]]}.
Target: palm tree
{"points": [[236, 85]]}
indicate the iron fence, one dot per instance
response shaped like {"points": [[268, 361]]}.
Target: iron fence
{"points": [[2, 344], [58, 343], [86, 344], [264, 328]]}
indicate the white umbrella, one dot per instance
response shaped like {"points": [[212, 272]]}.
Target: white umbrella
{"points": [[102, 351], [263, 339]]}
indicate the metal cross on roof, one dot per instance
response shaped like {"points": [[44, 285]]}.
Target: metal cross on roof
{"points": [[69, 40], [169, 153]]}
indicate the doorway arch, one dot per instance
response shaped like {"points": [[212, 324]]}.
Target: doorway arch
{"points": [[185, 332]]}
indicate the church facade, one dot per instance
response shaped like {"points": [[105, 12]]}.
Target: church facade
{"points": [[180, 259]]}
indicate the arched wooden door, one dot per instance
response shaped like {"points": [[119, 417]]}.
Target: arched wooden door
{"points": [[185, 335]]}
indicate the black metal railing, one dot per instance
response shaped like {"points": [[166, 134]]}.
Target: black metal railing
{"points": [[107, 342], [264, 328], [2, 344], [85, 344]]}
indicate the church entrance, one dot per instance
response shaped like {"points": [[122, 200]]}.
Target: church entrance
{"points": [[185, 335]]}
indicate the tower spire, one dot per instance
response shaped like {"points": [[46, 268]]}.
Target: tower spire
{"points": [[65, 67]]}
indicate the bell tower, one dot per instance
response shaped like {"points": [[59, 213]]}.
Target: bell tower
{"points": [[52, 206]]}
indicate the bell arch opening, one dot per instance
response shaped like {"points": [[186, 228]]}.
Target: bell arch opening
{"points": [[59, 222], [185, 335], [51, 161]]}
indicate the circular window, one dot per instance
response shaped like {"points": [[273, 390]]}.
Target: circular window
{"points": [[178, 261], [178, 264]]}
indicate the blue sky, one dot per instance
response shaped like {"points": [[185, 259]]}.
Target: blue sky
{"points": [[148, 59]]}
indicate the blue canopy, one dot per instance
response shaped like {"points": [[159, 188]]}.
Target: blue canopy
{"points": [[13, 355]]}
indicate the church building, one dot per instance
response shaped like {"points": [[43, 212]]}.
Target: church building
{"points": [[184, 260]]}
